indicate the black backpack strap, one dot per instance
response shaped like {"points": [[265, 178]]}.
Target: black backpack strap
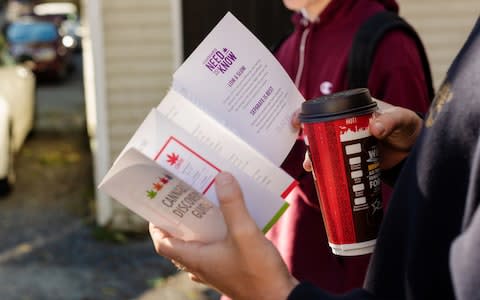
{"points": [[366, 40], [279, 42]]}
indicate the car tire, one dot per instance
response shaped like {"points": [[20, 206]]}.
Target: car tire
{"points": [[6, 184]]}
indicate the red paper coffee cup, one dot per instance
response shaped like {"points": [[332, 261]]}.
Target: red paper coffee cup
{"points": [[345, 168]]}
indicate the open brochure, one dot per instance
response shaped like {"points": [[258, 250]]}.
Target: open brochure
{"points": [[228, 109]]}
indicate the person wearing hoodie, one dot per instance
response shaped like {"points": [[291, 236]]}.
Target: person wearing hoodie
{"points": [[315, 56], [429, 241]]}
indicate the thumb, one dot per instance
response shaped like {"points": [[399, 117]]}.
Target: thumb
{"points": [[396, 123], [296, 120], [231, 201]]}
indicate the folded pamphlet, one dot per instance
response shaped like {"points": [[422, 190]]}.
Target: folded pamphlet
{"points": [[228, 109]]}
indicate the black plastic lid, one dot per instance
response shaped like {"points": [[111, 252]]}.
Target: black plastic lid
{"points": [[339, 105]]}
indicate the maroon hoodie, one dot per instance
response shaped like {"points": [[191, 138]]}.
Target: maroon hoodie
{"points": [[396, 77]]}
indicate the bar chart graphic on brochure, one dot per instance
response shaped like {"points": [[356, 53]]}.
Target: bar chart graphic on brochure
{"points": [[228, 109]]}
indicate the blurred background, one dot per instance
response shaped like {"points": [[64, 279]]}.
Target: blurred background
{"points": [[76, 80]]}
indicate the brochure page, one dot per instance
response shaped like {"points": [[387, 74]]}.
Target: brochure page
{"points": [[162, 155], [223, 142], [239, 83]]}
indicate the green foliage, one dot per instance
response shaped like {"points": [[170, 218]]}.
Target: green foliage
{"points": [[157, 281], [108, 235]]}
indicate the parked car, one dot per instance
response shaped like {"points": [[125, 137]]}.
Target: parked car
{"points": [[17, 110], [15, 9], [65, 15], [41, 43]]}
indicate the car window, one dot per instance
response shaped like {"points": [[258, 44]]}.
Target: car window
{"points": [[31, 32]]}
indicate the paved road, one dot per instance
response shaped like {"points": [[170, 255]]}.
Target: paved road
{"points": [[60, 106], [50, 247]]}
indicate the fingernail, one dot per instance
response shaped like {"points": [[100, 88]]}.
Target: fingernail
{"points": [[295, 115], [224, 178]]}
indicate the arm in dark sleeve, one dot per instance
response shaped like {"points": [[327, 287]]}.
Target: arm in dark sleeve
{"points": [[307, 291], [465, 250], [465, 261], [390, 176]]}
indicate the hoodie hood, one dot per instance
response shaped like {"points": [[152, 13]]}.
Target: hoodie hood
{"points": [[340, 7]]}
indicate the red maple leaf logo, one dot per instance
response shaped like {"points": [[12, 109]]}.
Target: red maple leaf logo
{"points": [[172, 158], [157, 186]]}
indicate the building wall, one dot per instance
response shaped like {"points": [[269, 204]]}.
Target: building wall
{"points": [[138, 63], [138, 68], [128, 68], [443, 26]]}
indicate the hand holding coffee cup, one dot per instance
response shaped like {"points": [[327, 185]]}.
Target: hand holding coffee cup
{"points": [[395, 127], [345, 162]]}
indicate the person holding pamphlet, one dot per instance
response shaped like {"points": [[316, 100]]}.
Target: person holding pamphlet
{"points": [[427, 247], [316, 56]]}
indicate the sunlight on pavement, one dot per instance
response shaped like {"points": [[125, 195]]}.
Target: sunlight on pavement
{"points": [[177, 287], [30, 246]]}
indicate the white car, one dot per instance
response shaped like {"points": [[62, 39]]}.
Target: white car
{"points": [[17, 108]]}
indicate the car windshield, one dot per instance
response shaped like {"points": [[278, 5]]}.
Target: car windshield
{"points": [[30, 32], [55, 9]]}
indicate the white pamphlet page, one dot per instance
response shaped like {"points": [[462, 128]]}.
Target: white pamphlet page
{"points": [[229, 109]]}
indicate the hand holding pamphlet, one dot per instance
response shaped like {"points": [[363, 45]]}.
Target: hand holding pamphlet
{"points": [[229, 109]]}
